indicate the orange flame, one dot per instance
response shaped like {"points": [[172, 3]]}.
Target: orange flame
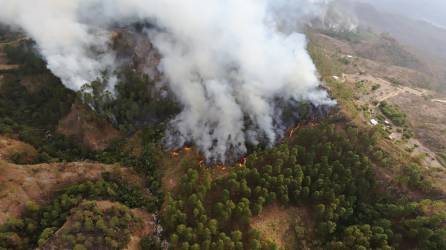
{"points": [[243, 161]]}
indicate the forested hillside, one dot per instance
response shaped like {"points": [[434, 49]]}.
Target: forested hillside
{"points": [[347, 184], [325, 167]]}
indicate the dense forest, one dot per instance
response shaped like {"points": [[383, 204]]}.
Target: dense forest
{"points": [[324, 167]]}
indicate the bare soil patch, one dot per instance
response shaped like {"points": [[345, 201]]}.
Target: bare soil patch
{"points": [[175, 165], [278, 224], [86, 128], [148, 227]]}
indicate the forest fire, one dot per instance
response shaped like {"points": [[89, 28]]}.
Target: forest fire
{"points": [[243, 161], [176, 153], [190, 153]]}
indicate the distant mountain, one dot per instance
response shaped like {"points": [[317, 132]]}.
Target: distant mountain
{"points": [[432, 11], [427, 38]]}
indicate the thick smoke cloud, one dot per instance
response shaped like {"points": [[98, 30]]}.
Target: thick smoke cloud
{"points": [[65, 42], [227, 61]]}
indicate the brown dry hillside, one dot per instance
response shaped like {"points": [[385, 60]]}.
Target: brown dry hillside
{"points": [[427, 117], [366, 63], [85, 127], [423, 36], [361, 83], [370, 57], [10, 147], [20, 184]]}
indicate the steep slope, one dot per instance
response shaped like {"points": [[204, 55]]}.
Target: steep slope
{"points": [[84, 126], [103, 225], [363, 82], [21, 184], [424, 39], [429, 39]]}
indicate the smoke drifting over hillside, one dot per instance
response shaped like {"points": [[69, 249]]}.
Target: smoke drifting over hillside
{"points": [[227, 61], [64, 41], [433, 11]]}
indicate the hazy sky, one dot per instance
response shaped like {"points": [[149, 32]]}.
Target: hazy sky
{"points": [[431, 10]]}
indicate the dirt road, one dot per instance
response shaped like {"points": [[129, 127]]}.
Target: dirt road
{"points": [[389, 95]]}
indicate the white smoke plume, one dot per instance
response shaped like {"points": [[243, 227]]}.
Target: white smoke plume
{"points": [[340, 15], [227, 61], [65, 42]]}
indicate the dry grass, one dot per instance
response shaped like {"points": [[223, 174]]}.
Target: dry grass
{"points": [[427, 118], [84, 126], [9, 147], [147, 220], [430, 207], [134, 145], [174, 164], [20, 184], [277, 224]]}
